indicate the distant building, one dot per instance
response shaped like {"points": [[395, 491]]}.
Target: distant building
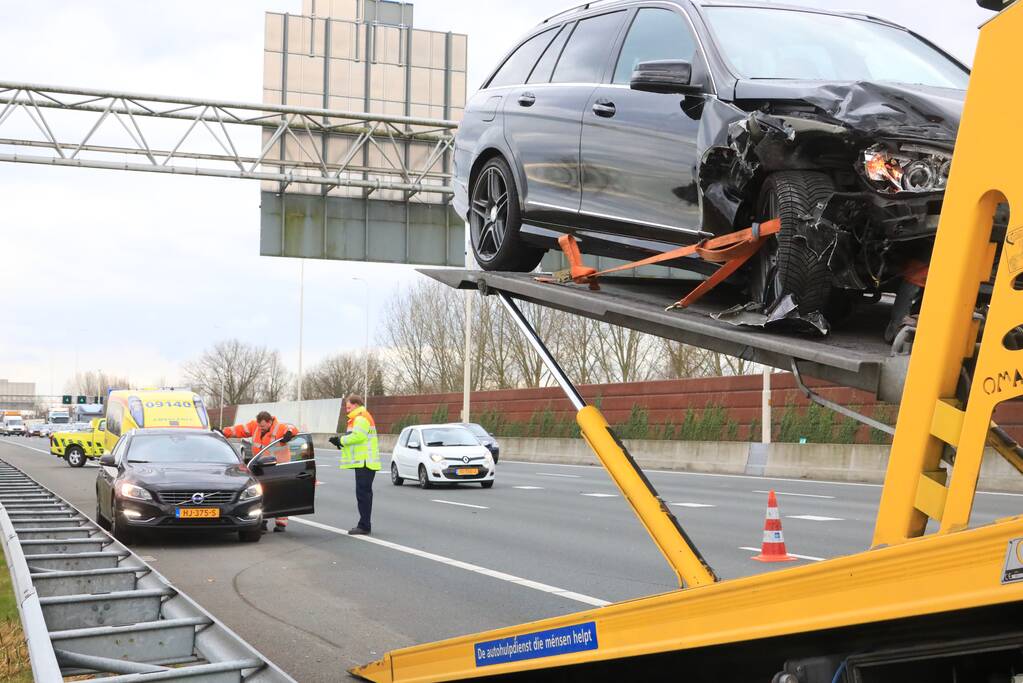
{"points": [[17, 395], [361, 56]]}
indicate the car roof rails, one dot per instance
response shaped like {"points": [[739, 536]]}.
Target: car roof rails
{"points": [[577, 8]]}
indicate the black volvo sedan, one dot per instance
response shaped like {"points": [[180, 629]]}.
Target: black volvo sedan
{"points": [[192, 480]]}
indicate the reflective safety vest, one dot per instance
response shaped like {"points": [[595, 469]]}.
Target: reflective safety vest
{"points": [[359, 446], [260, 440]]}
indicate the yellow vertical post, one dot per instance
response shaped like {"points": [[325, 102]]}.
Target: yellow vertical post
{"points": [[986, 170]]}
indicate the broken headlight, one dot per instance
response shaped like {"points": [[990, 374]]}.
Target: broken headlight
{"points": [[909, 169]]}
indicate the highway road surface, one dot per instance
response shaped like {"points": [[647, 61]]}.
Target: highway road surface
{"points": [[546, 540]]}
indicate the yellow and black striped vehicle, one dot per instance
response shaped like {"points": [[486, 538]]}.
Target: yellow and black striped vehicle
{"points": [[77, 447]]}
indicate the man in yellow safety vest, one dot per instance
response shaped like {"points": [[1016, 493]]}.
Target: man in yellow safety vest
{"points": [[360, 451]]}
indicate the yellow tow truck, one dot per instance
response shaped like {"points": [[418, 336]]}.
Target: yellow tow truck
{"points": [[129, 409], [933, 599]]}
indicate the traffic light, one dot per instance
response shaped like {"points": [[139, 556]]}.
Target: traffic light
{"points": [[66, 399], [82, 400]]}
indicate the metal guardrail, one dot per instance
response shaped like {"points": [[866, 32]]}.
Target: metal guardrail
{"points": [[89, 606]]}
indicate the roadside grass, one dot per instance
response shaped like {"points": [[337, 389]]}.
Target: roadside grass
{"points": [[14, 662]]}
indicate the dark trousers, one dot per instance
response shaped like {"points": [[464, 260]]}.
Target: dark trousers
{"points": [[364, 495]]}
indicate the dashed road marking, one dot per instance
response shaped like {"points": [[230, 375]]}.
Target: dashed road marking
{"points": [[566, 476], [802, 557], [815, 518], [464, 505], [501, 576], [600, 495], [692, 505], [529, 488], [801, 495]]}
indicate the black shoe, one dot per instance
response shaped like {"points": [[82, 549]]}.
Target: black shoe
{"points": [[279, 528], [358, 531]]}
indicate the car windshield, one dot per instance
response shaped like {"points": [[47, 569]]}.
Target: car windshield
{"points": [[477, 430], [449, 436], [14, 420], [767, 43], [180, 448]]}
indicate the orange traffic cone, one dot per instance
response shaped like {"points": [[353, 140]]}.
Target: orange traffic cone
{"points": [[773, 547]]}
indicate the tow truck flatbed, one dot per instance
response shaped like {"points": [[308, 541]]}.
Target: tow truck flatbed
{"points": [[855, 355]]}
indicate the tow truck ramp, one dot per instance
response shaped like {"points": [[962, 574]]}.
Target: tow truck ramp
{"points": [[933, 599], [92, 609], [855, 356]]}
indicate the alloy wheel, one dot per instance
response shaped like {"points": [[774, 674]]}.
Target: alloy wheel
{"points": [[489, 212]]}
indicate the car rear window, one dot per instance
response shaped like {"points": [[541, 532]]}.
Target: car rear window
{"points": [[449, 436], [586, 54], [180, 448]]}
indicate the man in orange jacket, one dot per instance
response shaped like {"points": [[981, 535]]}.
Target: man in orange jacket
{"points": [[264, 430]]}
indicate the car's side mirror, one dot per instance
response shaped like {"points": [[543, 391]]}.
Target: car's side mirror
{"points": [[414, 446], [669, 76], [107, 460]]}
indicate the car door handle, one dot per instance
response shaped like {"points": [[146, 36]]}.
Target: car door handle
{"points": [[605, 108], [305, 475], [527, 99]]}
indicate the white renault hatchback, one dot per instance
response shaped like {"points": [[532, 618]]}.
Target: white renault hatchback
{"points": [[441, 454]]}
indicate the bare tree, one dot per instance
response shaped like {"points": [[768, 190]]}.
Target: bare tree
{"points": [[95, 383], [236, 371], [624, 354], [407, 333], [581, 348], [277, 383], [343, 374]]}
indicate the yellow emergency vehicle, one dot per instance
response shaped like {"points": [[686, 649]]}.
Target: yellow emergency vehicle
{"points": [[129, 409]]}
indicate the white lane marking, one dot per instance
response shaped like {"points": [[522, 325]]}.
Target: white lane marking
{"points": [[529, 488], [802, 557], [815, 518], [501, 576], [600, 495], [464, 505], [597, 468], [551, 474], [801, 495], [692, 505], [21, 445], [743, 476]]}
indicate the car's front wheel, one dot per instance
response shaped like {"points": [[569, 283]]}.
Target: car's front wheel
{"points": [[75, 456], [250, 535], [424, 478], [495, 220], [395, 479], [786, 264]]}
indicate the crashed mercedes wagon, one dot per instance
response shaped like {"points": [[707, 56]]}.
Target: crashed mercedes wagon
{"points": [[641, 126]]}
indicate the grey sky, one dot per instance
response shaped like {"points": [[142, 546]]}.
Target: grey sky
{"points": [[136, 273]]}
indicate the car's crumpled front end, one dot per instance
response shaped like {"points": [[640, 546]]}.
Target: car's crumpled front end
{"points": [[887, 147]]}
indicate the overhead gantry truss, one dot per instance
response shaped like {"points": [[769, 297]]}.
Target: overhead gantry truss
{"points": [[320, 148]]}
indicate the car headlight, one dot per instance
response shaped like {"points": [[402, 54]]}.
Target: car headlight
{"points": [[910, 169], [436, 457], [132, 491], [254, 491]]}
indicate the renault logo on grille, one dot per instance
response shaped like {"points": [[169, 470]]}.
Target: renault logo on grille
{"points": [[198, 498], [465, 458]]}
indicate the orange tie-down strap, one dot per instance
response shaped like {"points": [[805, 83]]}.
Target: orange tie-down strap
{"points": [[731, 250]]}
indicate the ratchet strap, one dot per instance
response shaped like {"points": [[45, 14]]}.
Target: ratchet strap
{"points": [[732, 251]]}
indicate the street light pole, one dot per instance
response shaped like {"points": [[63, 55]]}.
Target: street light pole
{"points": [[301, 320], [365, 370]]}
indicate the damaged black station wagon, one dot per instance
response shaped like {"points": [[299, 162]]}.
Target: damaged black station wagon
{"points": [[641, 126]]}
